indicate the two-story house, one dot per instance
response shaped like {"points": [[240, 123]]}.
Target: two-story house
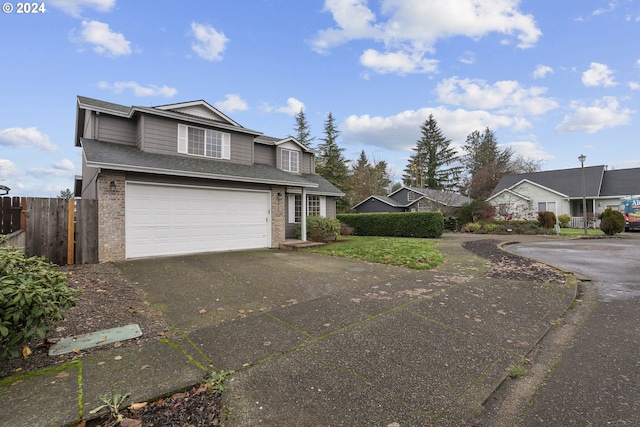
{"points": [[185, 178]]}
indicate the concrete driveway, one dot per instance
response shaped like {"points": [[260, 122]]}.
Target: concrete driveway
{"points": [[317, 340], [597, 379]]}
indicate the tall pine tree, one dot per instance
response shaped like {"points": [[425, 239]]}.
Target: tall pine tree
{"points": [[433, 164], [330, 162], [367, 179], [302, 129]]}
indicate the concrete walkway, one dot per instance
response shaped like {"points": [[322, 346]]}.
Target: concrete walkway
{"points": [[314, 340]]}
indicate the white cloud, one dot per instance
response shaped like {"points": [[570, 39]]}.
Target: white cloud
{"points": [[8, 169], [541, 71], [397, 62], [409, 29], [402, 130], [529, 150], [104, 41], [26, 138], [469, 58], [634, 85], [232, 102], [64, 165], [598, 75], [139, 90], [601, 114], [209, 43], [506, 96], [75, 7], [61, 169], [292, 108]]}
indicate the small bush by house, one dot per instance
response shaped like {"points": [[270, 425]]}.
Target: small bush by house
{"points": [[564, 220], [546, 219], [33, 296], [611, 222]]}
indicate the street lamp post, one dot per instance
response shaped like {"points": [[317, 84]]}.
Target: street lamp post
{"points": [[582, 158]]}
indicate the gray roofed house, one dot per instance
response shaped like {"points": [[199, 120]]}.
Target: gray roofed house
{"points": [[185, 178], [413, 199], [522, 196]]}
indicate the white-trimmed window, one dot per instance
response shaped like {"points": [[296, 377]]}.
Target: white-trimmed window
{"points": [[412, 196], [290, 160], [547, 207], [316, 206], [204, 142]]}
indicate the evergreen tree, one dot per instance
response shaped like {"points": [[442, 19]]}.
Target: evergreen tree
{"points": [[65, 194], [330, 162], [433, 164], [302, 129], [485, 163], [367, 179]]}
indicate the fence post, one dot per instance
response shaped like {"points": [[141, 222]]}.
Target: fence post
{"points": [[70, 232]]}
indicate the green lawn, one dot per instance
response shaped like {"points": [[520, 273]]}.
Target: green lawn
{"points": [[577, 232], [418, 254]]}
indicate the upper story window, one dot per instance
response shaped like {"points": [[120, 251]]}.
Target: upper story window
{"points": [[412, 196], [204, 142], [290, 160]]}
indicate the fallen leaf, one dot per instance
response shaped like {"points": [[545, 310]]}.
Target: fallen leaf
{"points": [[81, 424], [117, 344], [77, 351], [117, 358], [203, 311], [136, 406], [16, 383], [267, 343], [62, 374], [130, 422], [18, 369], [103, 339], [26, 352], [145, 367], [101, 363]]}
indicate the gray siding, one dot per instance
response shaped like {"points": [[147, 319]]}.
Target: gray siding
{"points": [[265, 154], [375, 205], [116, 129], [89, 179], [161, 136], [308, 163]]}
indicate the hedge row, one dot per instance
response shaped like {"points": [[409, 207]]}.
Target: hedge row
{"points": [[402, 224]]}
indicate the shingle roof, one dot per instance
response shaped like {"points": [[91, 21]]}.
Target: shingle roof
{"points": [[621, 182], [324, 187], [130, 158], [447, 198], [567, 182]]}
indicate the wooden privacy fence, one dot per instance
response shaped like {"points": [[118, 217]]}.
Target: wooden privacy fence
{"points": [[65, 231]]}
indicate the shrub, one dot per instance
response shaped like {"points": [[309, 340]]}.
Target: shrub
{"points": [[33, 295], [345, 230], [474, 211], [472, 227], [564, 220], [611, 222], [322, 228], [451, 223], [490, 227], [428, 225], [546, 219]]}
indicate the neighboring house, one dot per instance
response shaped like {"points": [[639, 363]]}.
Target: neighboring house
{"points": [[185, 178], [522, 196], [413, 199]]}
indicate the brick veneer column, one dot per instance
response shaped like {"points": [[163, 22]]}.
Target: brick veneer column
{"points": [[111, 221], [278, 216]]}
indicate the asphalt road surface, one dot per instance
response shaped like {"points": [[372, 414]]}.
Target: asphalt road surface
{"points": [[597, 379]]}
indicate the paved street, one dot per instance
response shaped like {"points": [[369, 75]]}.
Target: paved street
{"points": [[597, 382]]}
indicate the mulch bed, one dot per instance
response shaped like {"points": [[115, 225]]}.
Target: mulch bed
{"points": [[109, 300]]}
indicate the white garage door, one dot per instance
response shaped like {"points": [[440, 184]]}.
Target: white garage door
{"points": [[173, 220]]}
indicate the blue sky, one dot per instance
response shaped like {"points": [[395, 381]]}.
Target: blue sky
{"points": [[552, 79]]}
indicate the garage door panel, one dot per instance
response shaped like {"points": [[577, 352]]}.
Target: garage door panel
{"points": [[171, 220]]}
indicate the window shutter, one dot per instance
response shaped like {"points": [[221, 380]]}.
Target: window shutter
{"points": [[183, 146], [292, 208], [226, 146]]}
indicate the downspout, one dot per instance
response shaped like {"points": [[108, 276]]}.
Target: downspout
{"points": [[303, 214]]}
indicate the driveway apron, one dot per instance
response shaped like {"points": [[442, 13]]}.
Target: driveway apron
{"points": [[597, 381]]}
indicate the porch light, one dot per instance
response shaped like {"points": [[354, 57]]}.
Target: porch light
{"points": [[112, 186], [582, 159]]}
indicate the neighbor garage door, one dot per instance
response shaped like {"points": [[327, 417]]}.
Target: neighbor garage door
{"points": [[173, 220]]}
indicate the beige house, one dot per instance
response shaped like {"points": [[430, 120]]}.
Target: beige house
{"points": [[522, 196]]}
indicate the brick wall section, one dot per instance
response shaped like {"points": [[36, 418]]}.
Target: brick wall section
{"points": [[111, 221], [278, 216]]}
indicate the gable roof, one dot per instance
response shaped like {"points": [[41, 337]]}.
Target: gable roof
{"points": [[190, 112], [567, 182], [620, 183], [384, 199], [447, 198]]}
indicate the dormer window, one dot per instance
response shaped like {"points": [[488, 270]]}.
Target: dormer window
{"points": [[290, 160], [204, 142]]}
